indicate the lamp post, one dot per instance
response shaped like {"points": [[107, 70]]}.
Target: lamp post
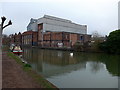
{"points": [[2, 26]]}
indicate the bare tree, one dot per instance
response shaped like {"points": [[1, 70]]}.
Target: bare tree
{"points": [[2, 26]]}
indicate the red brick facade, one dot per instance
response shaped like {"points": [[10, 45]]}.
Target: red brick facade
{"points": [[12, 39], [49, 39], [30, 38], [16, 38], [40, 35], [54, 39]]}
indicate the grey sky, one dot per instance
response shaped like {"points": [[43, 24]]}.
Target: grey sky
{"points": [[99, 15]]}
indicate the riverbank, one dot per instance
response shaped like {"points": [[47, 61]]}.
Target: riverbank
{"points": [[55, 48], [16, 74], [65, 49]]}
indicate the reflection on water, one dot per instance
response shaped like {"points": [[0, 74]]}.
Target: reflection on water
{"points": [[68, 69]]}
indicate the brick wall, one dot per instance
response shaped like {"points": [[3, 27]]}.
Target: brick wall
{"points": [[30, 38], [47, 36], [16, 38], [40, 26], [66, 36], [40, 35], [67, 43], [87, 38], [53, 39], [50, 39], [73, 38], [56, 35], [35, 38], [12, 38], [68, 39], [46, 43]]}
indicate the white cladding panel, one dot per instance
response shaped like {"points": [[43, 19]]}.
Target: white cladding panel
{"points": [[56, 18], [32, 26], [41, 20], [56, 28], [60, 26], [55, 24]]}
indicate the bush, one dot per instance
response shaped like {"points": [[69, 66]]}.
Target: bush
{"points": [[112, 44], [27, 65], [78, 46]]}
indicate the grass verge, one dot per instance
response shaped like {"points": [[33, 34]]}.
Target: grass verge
{"points": [[38, 78]]}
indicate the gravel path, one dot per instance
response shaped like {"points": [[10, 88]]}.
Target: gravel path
{"points": [[13, 76]]}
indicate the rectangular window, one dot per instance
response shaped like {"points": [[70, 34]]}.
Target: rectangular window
{"points": [[81, 38], [66, 37]]}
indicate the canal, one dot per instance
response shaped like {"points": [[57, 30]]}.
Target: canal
{"points": [[66, 69]]}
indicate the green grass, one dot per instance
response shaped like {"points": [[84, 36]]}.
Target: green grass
{"points": [[38, 78], [17, 59]]}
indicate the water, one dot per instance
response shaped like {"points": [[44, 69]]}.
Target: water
{"points": [[66, 69]]}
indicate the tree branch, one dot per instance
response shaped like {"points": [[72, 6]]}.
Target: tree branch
{"points": [[9, 23], [3, 20]]}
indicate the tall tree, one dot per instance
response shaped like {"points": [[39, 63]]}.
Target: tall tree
{"points": [[112, 44]]}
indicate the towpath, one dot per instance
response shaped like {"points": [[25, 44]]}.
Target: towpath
{"points": [[13, 76]]}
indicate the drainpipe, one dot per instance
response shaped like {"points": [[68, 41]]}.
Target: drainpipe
{"points": [[32, 39], [42, 38], [37, 38]]}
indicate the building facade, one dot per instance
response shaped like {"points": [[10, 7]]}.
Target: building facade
{"points": [[30, 38], [55, 24], [16, 38], [63, 39], [50, 31], [58, 32]]}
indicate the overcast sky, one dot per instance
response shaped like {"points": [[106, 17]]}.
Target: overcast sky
{"points": [[98, 15]]}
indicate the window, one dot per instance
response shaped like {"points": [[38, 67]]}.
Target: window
{"points": [[66, 36], [81, 38]]}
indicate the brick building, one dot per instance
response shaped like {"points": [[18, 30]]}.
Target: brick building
{"points": [[12, 38], [56, 39], [58, 32], [63, 39], [16, 38], [30, 38], [50, 31], [5, 40]]}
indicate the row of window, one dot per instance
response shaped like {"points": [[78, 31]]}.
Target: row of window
{"points": [[27, 36]]}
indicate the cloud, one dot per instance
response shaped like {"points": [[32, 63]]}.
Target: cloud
{"points": [[100, 15]]}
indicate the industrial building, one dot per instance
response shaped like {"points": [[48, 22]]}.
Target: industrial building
{"points": [[50, 31], [55, 24], [58, 32]]}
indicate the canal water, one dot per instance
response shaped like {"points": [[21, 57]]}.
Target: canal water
{"points": [[66, 69]]}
